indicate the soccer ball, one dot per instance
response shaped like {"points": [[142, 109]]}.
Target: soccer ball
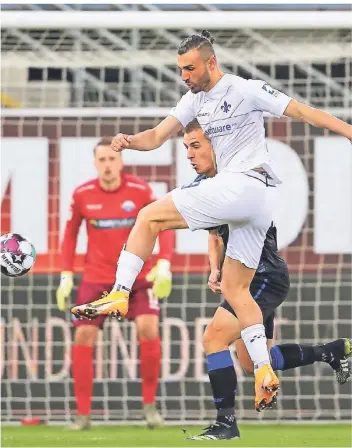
{"points": [[17, 255]]}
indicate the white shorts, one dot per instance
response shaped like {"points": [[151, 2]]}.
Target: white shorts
{"points": [[244, 201]]}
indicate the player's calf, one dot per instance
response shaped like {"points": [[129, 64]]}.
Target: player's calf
{"points": [[217, 337], [334, 353], [221, 331]]}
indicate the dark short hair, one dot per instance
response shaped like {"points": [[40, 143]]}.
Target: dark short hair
{"points": [[104, 141], [192, 126], [203, 40]]}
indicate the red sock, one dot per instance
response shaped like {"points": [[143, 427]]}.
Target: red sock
{"points": [[83, 374], [150, 357]]}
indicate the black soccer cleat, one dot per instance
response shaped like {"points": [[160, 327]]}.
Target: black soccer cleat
{"points": [[263, 404], [218, 431], [340, 350], [88, 314]]}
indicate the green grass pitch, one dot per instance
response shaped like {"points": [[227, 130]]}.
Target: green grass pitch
{"points": [[252, 435]]}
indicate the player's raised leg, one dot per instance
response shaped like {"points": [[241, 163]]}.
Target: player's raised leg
{"points": [[154, 218], [235, 288], [291, 356], [334, 353]]}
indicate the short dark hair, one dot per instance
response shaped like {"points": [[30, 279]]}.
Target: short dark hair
{"points": [[192, 126], [203, 40], [104, 141]]}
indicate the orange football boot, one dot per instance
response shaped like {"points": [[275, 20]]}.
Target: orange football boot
{"points": [[113, 304], [266, 386]]}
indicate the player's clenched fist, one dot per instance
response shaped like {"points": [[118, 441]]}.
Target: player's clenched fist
{"points": [[214, 281], [121, 142]]}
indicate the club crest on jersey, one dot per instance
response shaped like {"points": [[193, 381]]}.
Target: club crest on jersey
{"points": [[128, 206], [226, 107]]}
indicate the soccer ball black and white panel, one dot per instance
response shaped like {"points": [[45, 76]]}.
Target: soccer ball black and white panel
{"points": [[17, 255]]}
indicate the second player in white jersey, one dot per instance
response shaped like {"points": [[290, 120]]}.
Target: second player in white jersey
{"points": [[231, 115]]}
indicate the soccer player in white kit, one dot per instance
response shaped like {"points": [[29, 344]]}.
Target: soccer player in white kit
{"points": [[230, 110]]}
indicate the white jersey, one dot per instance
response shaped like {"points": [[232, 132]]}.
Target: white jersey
{"points": [[231, 115]]}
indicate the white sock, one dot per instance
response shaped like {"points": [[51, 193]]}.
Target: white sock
{"points": [[255, 341], [128, 268]]}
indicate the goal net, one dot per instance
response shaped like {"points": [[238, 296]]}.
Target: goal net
{"points": [[63, 89], [46, 158]]}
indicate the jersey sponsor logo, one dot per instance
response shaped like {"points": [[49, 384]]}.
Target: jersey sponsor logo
{"points": [[119, 223], [270, 90], [226, 107], [223, 129], [94, 206], [128, 206], [203, 114]]}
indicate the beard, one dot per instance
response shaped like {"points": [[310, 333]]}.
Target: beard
{"points": [[202, 83]]}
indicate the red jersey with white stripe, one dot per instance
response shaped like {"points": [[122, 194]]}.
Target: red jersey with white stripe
{"points": [[109, 217]]}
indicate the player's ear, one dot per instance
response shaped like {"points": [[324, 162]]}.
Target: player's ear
{"points": [[212, 62]]}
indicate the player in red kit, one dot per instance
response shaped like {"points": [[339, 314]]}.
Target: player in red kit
{"points": [[110, 204]]}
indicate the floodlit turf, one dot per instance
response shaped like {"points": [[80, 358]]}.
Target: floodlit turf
{"points": [[258, 435]]}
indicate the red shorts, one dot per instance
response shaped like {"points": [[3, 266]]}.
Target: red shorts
{"points": [[142, 300]]}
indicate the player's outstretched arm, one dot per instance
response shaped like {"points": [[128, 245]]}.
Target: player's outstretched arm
{"points": [[149, 139], [318, 118]]}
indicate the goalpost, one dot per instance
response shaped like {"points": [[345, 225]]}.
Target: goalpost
{"points": [[46, 151]]}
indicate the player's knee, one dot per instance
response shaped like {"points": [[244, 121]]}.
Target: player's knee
{"points": [[148, 333], [86, 335], [144, 215], [214, 339], [147, 217], [207, 337], [147, 327]]}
